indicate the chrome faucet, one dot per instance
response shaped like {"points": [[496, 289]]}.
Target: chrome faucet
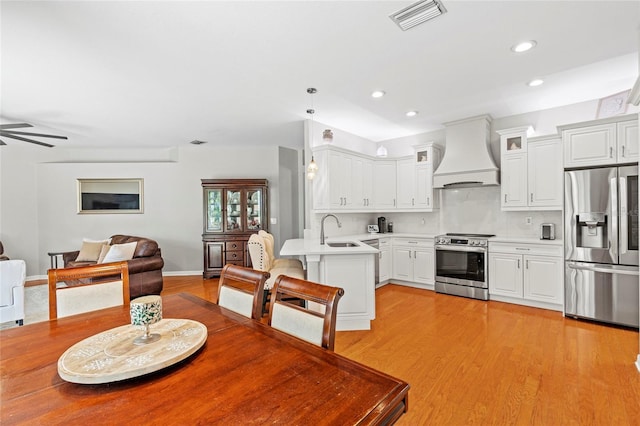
{"points": [[322, 225]]}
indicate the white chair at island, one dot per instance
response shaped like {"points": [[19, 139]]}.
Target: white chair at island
{"points": [[260, 247]]}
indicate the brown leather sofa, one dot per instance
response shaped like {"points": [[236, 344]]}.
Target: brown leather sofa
{"points": [[145, 269]]}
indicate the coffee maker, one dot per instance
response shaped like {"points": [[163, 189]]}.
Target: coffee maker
{"points": [[382, 224]]}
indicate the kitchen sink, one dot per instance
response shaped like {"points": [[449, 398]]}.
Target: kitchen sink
{"points": [[343, 244]]}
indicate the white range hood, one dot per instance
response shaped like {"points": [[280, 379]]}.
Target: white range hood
{"points": [[467, 159]]}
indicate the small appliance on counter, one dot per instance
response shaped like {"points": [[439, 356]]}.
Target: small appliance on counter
{"points": [[382, 224], [547, 231], [390, 227]]}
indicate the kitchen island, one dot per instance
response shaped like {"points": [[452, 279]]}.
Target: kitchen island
{"points": [[350, 266]]}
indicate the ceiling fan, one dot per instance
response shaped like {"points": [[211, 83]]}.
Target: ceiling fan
{"points": [[6, 130]]}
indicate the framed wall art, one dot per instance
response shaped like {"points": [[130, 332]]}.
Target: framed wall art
{"points": [[97, 196], [613, 105]]}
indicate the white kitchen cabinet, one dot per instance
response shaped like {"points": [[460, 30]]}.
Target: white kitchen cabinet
{"points": [[362, 183], [528, 274], [531, 171], [384, 184], [405, 183], [415, 179], [384, 265], [505, 274], [544, 173], [603, 142], [347, 181], [426, 196], [628, 141], [414, 260], [344, 181], [541, 278], [513, 186], [339, 180], [424, 265]]}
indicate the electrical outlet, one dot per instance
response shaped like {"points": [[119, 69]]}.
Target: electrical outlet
{"points": [[422, 221], [528, 220]]}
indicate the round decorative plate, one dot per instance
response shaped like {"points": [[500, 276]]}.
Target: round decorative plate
{"points": [[112, 356]]}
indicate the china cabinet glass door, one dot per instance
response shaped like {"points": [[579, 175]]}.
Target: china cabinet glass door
{"points": [[214, 210], [254, 209], [234, 210]]}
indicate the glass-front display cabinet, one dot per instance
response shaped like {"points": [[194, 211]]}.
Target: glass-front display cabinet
{"points": [[233, 210]]}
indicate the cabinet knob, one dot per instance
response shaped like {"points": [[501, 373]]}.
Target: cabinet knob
{"points": [[610, 152], [623, 150]]}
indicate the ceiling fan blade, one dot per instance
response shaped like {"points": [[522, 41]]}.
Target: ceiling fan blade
{"points": [[26, 140], [42, 135], [2, 143], [14, 126]]}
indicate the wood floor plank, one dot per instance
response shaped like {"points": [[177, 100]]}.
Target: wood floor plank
{"points": [[490, 363]]}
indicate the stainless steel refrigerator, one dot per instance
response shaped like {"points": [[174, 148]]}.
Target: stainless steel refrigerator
{"points": [[601, 244]]}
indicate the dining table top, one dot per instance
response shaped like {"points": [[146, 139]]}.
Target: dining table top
{"points": [[245, 373]]}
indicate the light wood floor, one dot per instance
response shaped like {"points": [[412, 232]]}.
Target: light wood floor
{"points": [[490, 363]]}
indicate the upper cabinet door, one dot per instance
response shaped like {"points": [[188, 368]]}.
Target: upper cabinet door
{"points": [[384, 184], [513, 187], [213, 210], [590, 146], [545, 174], [628, 141], [406, 183], [425, 194]]}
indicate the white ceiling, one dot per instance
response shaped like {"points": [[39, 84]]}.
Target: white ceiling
{"points": [[163, 73]]}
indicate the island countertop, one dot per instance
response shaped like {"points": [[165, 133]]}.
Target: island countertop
{"points": [[305, 247]]}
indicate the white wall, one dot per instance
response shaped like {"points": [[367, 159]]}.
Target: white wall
{"points": [[38, 209]]}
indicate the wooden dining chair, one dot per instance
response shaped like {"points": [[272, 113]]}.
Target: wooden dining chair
{"points": [[315, 319], [87, 288], [240, 289]]}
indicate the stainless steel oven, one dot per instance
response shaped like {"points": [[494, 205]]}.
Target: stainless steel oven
{"points": [[461, 265]]}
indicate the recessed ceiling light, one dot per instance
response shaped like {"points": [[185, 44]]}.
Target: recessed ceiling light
{"points": [[535, 82], [377, 94], [523, 46], [412, 113]]}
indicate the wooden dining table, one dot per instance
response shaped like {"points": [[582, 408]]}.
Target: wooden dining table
{"points": [[245, 373]]}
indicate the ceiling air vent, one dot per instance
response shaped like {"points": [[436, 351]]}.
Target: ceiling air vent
{"points": [[417, 13]]}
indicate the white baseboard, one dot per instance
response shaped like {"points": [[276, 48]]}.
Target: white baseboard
{"points": [[638, 363]]}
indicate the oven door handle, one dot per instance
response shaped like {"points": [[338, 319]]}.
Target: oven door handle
{"points": [[462, 248]]}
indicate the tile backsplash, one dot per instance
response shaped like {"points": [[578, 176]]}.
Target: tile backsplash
{"points": [[477, 210]]}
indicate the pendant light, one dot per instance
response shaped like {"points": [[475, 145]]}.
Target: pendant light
{"points": [[312, 168]]}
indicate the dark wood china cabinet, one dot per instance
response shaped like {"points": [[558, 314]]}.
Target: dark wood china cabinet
{"points": [[233, 210]]}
